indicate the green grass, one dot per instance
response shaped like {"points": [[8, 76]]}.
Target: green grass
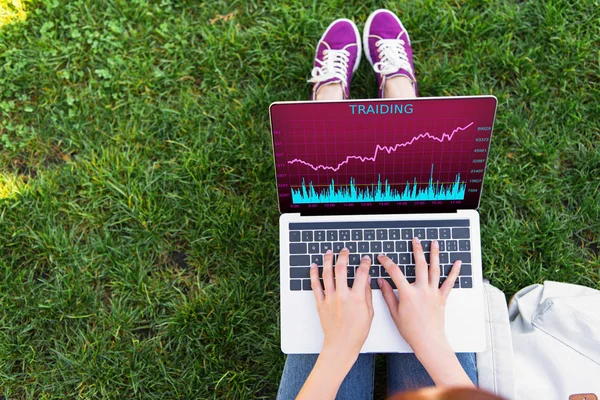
{"points": [[138, 215]]}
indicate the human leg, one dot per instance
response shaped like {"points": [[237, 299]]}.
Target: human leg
{"points": [[358, 384], [405, 372], [387, 47], [336, 59]]}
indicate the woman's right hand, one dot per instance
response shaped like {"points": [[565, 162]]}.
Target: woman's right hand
{"points": [[418, 313]]}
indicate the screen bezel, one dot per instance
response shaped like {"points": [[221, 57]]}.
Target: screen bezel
{"points": [[381, 209]]}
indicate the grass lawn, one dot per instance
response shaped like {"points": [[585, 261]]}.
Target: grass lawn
{"points": [[138, 214]]}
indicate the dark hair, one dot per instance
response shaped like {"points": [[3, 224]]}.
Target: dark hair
{"points": [[446, 394]]}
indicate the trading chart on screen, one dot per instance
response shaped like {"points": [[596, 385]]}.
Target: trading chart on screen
{"points": [[408, 154]]}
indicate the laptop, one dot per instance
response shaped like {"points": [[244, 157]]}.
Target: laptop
{"points": [[370, 175]]}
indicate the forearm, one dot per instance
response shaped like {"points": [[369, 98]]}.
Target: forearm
{"points": [[443, 366], [326, 376]]}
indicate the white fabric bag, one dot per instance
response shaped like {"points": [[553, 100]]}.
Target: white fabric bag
{"points": [[556, 341]]}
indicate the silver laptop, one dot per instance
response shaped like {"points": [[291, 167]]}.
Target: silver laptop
{"points": [[370, 175]]}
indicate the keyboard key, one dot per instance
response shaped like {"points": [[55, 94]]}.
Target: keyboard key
{"points": [[456, 284], [357, 234], [354, 259], [319, 236], [300, 261], [332, 236], [300, 272], [444, 258], [461, 233], [384, 273], [447, 269], [445, 233], [374, 284], [350, 272], [420, 233], [407, 234], [466, 270], [374, 271], [432, 233], [442, 245], [350, 283], [294, 236], [338, 246], [466, 282], [307, 236], [391, 282], [410, 247], [295, 284], [313, 248], [388, 247], [306, 284], [393, 257], [325, 246], [394, 234], [382, 234], [376, 247], [427, 258], [442, 280], [345, 235], [401, 246], [464, 257], [363, 247], [426, 244], [464, 245], [369, 234], [411, 280], [367, 254], [298, 248], [317, 259], [404, 258], [321, 273], [351, 246], [410, 270], [451, 245]]}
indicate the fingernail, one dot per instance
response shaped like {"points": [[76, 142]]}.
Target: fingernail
{"points": [[366, 258], [313, 265], [417, 240], [435, 242], [459, 262], [328, 252], [345, 248], [380, 282], [381, 255]]}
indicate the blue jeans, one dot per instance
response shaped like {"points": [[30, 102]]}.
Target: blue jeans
{"points": [[404, 372]]}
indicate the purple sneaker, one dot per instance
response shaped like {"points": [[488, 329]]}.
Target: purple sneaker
{"points": [[337, 56], [387, 47]]}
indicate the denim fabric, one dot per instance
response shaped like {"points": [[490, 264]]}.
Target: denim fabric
{"points": [[358, 384], [404, 370]]}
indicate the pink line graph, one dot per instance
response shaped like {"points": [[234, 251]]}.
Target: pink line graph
{"points": [[387, 149]]}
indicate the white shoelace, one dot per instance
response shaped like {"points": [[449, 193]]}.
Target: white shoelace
{"points": [[333, 65], [393, 57]]}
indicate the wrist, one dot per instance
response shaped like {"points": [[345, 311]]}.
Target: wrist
{"points": [[338, 357], [443, 366]]}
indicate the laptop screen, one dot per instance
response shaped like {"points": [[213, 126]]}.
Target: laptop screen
{"points": [[372, 156]]}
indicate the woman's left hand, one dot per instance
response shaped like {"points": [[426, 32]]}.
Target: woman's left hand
{"points": [[346, 313]]}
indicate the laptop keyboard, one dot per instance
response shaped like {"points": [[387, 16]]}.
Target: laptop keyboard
{"points": [[310, 240]]}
